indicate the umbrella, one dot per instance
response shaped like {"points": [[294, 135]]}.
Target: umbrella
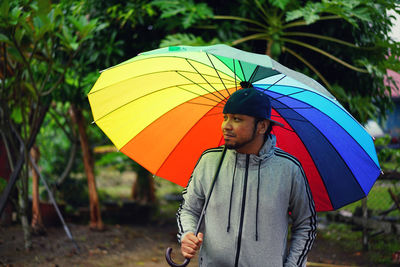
{"points": [[162, 108]]}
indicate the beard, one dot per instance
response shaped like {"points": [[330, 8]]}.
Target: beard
{"points": [[240, 144]]}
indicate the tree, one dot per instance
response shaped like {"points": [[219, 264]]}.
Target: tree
{"points": [[352, 36], [37, 221], [72, 91], [143, 187], [38, 42], [186, 20], [132, 29], [95, 215], [111, 43]]}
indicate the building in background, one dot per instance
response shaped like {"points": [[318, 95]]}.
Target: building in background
{"points": [[392, 125]]}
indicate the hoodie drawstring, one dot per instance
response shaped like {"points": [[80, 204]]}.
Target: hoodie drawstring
{"points": [[257, 201], [258, 193], [230, 202]]}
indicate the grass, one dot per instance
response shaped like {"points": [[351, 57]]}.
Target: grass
{"points": [[116, 185], [164, 187], [167, 208], [378, 199], [381, 246]]}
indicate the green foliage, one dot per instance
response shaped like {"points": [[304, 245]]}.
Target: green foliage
{"points": [[186, 39], [3, 184], [74, 192], [187, 12], [388, 157], [383, 141], [351, 11], [344, 43], [131, 12], [379, 199], [39, 39], [381, 246], [111, 41], [117, 160], [54, 139], [39, 43], [281, 4], [363, 104], [108, 45], [340, 231], [81, 75]]}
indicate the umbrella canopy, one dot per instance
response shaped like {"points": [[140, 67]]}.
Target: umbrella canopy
{"points": [[163, 108]]}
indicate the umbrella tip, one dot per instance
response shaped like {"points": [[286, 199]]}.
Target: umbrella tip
{"points": [[246, 84]]}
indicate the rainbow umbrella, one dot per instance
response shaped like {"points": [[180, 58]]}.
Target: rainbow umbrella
{"points": [[163, 108]]}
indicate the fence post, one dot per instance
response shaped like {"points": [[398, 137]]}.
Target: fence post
{"points": [[364, 224]]}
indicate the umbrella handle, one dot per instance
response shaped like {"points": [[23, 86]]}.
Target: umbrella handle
{"points": [[171, 262], [203, 212]]}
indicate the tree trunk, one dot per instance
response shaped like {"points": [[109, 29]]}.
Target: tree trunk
{"points": [[95, 215], [365, 228], [143, 187], [268, 51], [5, 172], [37, 222], [23, 205], [24, 220]]}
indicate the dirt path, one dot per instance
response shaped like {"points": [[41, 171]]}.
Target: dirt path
{"points": [[125, 245]]}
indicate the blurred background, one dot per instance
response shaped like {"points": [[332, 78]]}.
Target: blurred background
{"points": [[52, 53]]}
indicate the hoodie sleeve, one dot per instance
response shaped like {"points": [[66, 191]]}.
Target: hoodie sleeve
{"points": [[304, 224], [190, 209]]}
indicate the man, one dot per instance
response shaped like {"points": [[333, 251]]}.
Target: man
{"points": [[259, 187]]}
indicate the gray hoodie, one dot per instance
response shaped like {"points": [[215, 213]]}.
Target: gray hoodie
{"points": [[246, 222]]}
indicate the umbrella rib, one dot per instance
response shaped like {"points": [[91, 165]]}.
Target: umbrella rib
{"points": [[216, 71], [328, 99], [138, 76], [334, 148], [201, 104], [292, 119], [342, 109], [214, 114], [280, 79], [316, 167], [241, 67], [201, 86], [198, 94], [187, 60], [234, 72], [287, 129], [129, 102], [253, 74], [295, 107], [302, 90], [172, 151]]}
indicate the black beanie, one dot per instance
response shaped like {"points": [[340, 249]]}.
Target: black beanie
{"points": [[251, 102]]}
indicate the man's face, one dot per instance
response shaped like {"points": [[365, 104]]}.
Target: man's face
{"points": [[239, 131]]}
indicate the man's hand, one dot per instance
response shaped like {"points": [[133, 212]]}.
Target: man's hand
{"points": [[190, 244]]}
